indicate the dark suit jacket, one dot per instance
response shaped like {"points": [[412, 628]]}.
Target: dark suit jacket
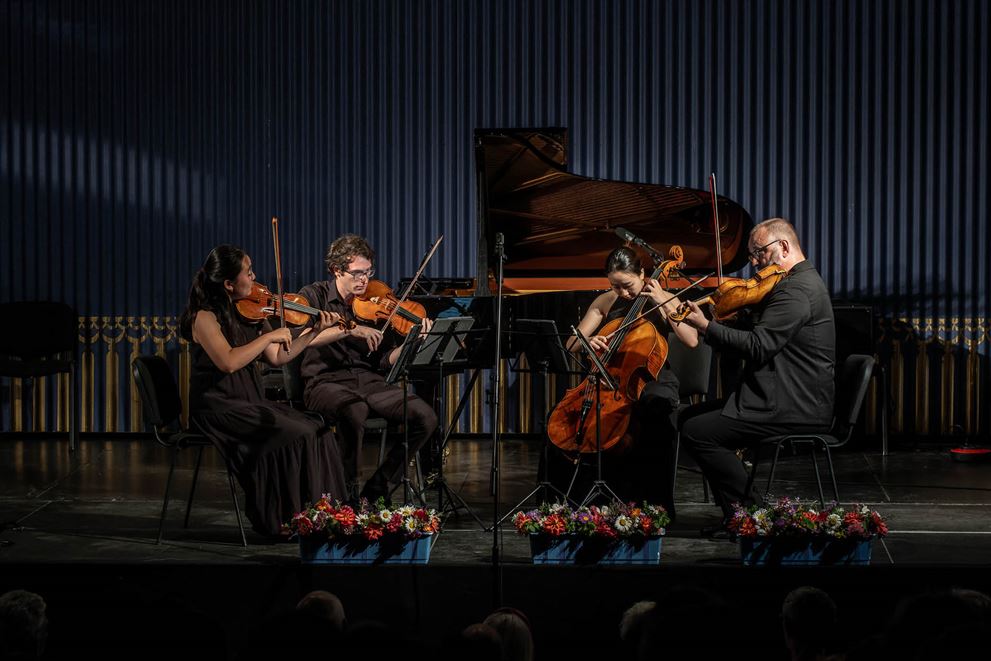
{"points": [[790, 354]]}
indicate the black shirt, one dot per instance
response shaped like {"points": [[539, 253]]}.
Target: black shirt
{"points": [[348, 354]]}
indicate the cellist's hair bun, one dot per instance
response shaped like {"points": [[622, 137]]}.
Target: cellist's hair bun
{"points": [[623, 259]]}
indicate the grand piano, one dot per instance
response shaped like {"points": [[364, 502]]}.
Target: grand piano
{"points": [[559, 228]]}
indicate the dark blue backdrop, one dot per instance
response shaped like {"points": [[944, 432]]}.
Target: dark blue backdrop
{"points": [[136, 135]]}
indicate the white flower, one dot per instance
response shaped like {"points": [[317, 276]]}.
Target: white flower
{"points": [[409, 525], [833, 521], [623, 523], [407, 510], [385, 515]]}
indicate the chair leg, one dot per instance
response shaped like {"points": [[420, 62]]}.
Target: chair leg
{"points": [[674, 470], [832, 472], [192, 488], [774, 466], [237, 508], [73, 427], [381, 460], [165, 502], [815, 467]]}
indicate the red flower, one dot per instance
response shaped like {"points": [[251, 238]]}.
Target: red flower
{"points": [[373, 531], [322, 505], [345, 516], [554, 525], [395, 523], [421, 514], [304, 525], [747, 528]]}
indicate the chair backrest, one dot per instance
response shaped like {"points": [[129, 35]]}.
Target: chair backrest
{"points": [[157, 387], [38, 329], [291, 373], [851, 389], [691, 366]]}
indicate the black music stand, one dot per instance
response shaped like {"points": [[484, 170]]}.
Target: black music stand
{"points": [[446, 338], [400, 371], [598, 376], [542, 348]]}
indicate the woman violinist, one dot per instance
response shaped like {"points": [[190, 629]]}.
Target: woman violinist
{"points": [[642, 471], [281, 457]]}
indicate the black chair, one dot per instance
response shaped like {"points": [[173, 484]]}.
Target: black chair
{"points": [[162, 408], [293, 381], [692, 367], [852, 382], [39, 338]]}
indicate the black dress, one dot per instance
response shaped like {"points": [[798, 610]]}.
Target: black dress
{"points": [[279, 455]]}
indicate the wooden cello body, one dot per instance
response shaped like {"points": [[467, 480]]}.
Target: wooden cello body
{"points": [[636, 353], [634, 364]]}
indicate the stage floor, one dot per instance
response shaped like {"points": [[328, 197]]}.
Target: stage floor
{"points": [[101, 504], [80, 529]]}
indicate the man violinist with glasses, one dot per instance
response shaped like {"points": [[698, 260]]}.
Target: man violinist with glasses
{"points": [[787, 382], [342, 369]]}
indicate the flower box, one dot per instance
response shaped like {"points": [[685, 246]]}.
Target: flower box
{"points": [[337, 533], [357, 550], [613, 534], [793, 533], [818, 551], [575, 550]]}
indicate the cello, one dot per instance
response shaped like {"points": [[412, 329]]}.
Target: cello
{"points": [[636, 353]]}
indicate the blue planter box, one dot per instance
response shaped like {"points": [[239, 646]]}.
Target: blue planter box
{"points": [[359, 551], [573, 550], [816, 551]]}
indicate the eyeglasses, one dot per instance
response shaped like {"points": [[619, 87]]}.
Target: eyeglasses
{"points": [[358, 275], [757, 252]]}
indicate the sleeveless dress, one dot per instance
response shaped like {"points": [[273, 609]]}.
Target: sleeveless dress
{"points": [[279, 455], [644, 472]]}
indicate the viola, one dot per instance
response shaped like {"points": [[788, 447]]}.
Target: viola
{"points": [[380, 303], [262, 303], [735, 294]]}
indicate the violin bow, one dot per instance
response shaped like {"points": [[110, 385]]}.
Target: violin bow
{"points": [[278, 275], [673, 296], [412, 283], [715, 222]]}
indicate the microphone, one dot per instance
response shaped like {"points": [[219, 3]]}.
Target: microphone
{"points": [[500, 244], [630, 237]]}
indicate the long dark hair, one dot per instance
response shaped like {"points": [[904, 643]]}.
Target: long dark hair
{"points": [[207, 291], [623, 259]]}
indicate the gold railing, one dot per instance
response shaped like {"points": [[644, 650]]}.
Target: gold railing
{"points": [[936, 379]]}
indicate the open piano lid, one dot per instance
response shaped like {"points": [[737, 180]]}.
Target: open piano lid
{"points": [[559, 227]]}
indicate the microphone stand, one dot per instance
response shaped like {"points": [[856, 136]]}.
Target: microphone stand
{"points": [[496, 382]]}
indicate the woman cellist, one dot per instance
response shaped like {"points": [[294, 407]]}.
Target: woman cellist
{"points": [[641, 471], [280, 456]]}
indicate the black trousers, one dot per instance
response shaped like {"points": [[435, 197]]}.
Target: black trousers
{"points": [[712, 439], [350, 398]]}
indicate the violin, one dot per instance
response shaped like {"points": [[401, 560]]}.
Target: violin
{"points": [[735, 294], [379, 302], [262, 303]]}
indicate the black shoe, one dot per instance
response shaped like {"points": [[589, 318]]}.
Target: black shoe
{"points": [[719, 531]]}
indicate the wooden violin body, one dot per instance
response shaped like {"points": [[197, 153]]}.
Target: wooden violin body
{"points": [[379, 303], [262, 303], [735, 294]]}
